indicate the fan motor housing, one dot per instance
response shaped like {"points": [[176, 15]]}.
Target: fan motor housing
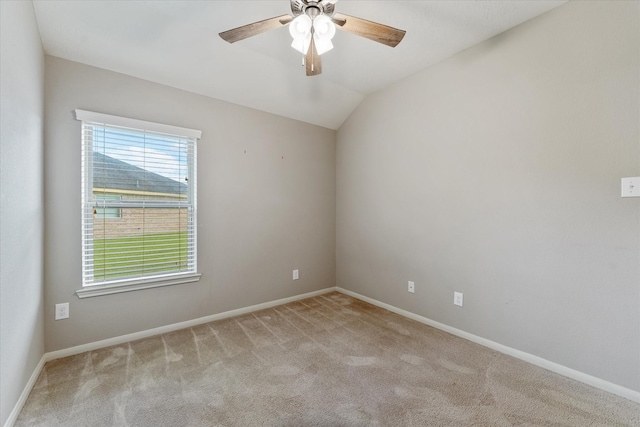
{"points": [[312, 8]]}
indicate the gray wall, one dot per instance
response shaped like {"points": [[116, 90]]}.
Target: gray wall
{"points": [[21, 206], [496, 173], [266, 205]]}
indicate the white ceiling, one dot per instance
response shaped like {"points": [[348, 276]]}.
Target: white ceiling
{"points": [[176, 43]]}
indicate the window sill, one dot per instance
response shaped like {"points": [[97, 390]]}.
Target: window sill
{"points": [[135, 285]]}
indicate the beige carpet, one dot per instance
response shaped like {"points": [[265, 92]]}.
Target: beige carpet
{"points": [[325, 361]]}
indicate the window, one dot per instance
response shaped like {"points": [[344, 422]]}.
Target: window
{"points": [[101, 211], [138, 204]]}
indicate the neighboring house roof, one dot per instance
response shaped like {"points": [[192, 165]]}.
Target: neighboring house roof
{"points": [[114, 174]]}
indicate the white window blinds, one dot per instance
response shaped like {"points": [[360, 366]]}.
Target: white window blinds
{"points": [[138, 199]]}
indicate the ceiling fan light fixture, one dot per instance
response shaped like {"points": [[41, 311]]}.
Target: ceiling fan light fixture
{"points": [[323, 32], [323, 27], [300, 30], [322, 45], [300, 27], [301, 44]]}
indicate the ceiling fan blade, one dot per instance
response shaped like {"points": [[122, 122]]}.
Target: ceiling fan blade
{"points": [[312, 60], [372, 30], [338, 22], [256, 28]]}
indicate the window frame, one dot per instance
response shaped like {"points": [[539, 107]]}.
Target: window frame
{"points": [[134, 283]]}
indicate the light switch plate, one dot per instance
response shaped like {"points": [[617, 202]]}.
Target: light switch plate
{"points": [[457, 298], [631, 187]]}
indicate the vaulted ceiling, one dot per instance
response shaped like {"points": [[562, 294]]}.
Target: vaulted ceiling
{"points": [[176, 43]]}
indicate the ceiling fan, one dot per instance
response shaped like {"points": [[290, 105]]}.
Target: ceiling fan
{"points": [[312, 27]]}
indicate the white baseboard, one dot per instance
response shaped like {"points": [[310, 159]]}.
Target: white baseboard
{"points": [[177, 326], [144, 334], [530, 358], [13, 416]]}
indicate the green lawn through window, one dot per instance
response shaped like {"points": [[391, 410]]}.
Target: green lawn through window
{"points": [[139, 255]]}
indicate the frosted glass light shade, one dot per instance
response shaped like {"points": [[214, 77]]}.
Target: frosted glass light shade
{"points": [[323, 27], [300, 27], [301, 44], [322, 45], [323, 31], [300, 30]]}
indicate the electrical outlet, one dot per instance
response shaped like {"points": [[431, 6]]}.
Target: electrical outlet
{"points": [[62, 311], [411, 287], [296, 274], [457, 298]]}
